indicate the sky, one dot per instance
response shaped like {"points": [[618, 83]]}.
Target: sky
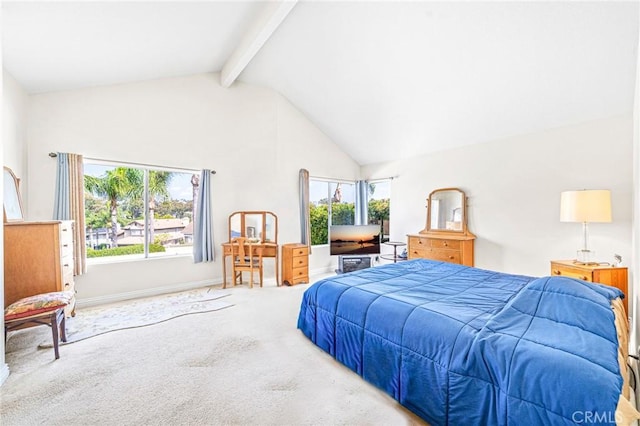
{"points": [[179, 187], [319, 191]]}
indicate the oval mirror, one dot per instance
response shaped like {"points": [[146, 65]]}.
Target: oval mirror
{"points": [[12, 200], [446, 211]]}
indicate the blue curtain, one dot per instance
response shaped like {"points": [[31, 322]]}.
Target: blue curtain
{"points": [[69, 203], [203, 250], [362, 202], [305, 226], [62, 201]]}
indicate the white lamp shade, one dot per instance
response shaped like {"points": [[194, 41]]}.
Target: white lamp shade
{"points": [[585, 206]]}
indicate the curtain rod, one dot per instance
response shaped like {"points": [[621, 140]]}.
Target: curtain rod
{"points": [[347, 181], [54, 155]]}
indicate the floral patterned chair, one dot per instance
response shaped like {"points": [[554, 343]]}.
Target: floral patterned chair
{"points": [[41, 309]]}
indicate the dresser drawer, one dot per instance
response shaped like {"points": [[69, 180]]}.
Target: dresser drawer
{"points": [[67, 265], [567, 271], [298, 273], [300, 261], [417, 242], [445, 244], [419, 252], [300, 251], [68, 283], [66, 233], [451, 256]]}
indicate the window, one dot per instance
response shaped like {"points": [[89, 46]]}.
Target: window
{"points": [[119, 199], [378, 206], [340, 211]]}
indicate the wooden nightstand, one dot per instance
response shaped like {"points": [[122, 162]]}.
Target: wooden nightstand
{"points": [[295, 264], [615, 276]]}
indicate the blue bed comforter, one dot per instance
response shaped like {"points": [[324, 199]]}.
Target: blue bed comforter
{"points": [[459, 345]]}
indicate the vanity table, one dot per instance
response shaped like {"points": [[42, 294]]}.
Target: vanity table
{"points": [[445, 236], [261, 230]]}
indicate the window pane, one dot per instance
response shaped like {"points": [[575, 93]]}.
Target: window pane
{"points": [[319, 211], [171, 199], [379, 200], [114, 211], [342, 203]]}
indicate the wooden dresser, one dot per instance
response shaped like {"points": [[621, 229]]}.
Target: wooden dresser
{"points": [[38, 258], [614, 276], [295, 264], [446, 248], [445, 237]]}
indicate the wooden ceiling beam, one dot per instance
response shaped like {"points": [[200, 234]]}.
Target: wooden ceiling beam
{"points": [[263, 27]]}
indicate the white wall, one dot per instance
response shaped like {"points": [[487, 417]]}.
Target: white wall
{"points": [[14, 116], [255, 140], [14, 126], [514, 189], [635, 274]]}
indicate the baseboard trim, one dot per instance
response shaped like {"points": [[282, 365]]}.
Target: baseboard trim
{"points": [[4, 373], [155, 291], [321, 271]]}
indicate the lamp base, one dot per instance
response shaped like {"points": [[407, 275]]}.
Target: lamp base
{"points": [[585, 257]]}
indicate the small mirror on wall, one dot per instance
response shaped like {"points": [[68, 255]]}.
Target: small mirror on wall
{"points": [[12, 200], [446, 212]]}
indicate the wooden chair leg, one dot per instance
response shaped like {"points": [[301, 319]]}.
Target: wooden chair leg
{"points": [[54, 331], [260, 275], [63, 327]]}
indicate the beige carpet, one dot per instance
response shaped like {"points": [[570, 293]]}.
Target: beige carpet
{"points": [[141, 313], [247, 364]]}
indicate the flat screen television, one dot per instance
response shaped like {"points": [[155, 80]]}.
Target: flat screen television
{"points": [[354, 239]]}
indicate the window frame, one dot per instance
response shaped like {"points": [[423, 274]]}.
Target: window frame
{"points": [[146, 168], [330, 181]]}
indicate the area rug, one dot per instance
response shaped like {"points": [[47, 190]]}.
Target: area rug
{"points": [[91, 322]]}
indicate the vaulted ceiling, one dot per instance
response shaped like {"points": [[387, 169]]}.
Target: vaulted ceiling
{"points": [[384, 80]]}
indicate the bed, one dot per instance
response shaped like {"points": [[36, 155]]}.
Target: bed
{"points": [[461, 345]]}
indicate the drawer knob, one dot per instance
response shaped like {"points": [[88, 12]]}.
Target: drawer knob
{"points": [[556, 272], [451, 257], [445, 244], [584, 278]]}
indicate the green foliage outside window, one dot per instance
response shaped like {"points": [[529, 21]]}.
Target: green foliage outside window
{"points": [[120, 251], [319, 220], [342, 213], [378, 210]]}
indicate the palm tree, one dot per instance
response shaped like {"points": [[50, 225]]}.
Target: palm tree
{"points": [[116, 184], [158, 189], [195, 184]]}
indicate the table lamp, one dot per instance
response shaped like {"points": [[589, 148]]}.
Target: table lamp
{"points": [[585, 206]]}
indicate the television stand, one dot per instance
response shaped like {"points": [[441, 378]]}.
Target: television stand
{"points": [[350, 263]]}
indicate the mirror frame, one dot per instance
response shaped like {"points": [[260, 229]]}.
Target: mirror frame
{"points": [[12, 201], [262, 232], [463, 218]]}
